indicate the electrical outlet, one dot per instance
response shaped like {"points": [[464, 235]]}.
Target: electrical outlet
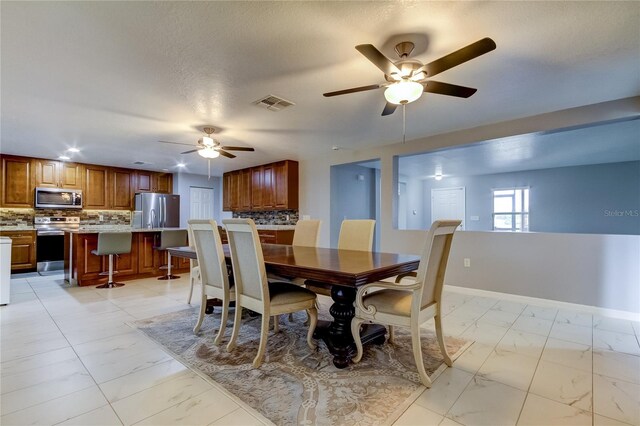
{"points": [[467, 262], [100, 217]]}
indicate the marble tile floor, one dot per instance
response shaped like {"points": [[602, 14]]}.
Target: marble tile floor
{"points": [[68, 357]]}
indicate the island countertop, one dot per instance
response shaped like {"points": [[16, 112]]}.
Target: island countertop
{"points": [[92, 229]]}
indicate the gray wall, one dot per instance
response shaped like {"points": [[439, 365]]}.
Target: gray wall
{"points": [[580, 199], [182, 182], [351, 198]]}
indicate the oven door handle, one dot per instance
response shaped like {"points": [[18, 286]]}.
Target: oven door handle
{"points": [[45, 233]]}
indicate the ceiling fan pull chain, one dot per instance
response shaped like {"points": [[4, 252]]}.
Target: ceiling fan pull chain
{"points": [[404, 122], [209, 168]]}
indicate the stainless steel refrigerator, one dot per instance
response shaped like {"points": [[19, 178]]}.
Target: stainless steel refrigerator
{"points": [[156, 210]]}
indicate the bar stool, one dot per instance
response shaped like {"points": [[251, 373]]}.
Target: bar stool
{"points": [[110, 244], [171, 238]]}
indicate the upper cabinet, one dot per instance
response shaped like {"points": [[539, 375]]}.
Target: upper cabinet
{"points": [[58, 174], [271, 186], [153, 182], [17, 182], [121, 184], [103, 188], [96, 184]]}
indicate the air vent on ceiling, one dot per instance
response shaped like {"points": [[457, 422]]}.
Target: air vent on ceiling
{"points": [[273, 103], [141, 163]]}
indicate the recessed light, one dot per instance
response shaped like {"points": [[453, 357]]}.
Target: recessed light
{"points": [[180, 165], [73, 150], [165, 170], [64, 157]]}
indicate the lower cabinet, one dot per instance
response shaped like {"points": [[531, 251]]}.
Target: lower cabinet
{"points": [[23, 249], [143, 261], [275, 236]]}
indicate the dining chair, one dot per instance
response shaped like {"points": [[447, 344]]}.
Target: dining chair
{"points": [[356, 234], [213, 271], [306, 233], [255, 293], [412, 304], [194, 269]]}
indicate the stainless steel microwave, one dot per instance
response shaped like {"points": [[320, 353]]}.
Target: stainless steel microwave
{"points": [[58, 198]]}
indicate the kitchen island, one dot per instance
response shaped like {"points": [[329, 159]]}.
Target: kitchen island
{"points": [[83, 268]]}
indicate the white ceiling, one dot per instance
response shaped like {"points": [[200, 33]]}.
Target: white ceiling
{"points": [[113, 78]]}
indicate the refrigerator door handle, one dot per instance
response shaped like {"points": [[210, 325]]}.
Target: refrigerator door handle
{"points": [[164, 212]]}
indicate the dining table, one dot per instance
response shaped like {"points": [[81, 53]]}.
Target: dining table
{"points": [[339, 271]]}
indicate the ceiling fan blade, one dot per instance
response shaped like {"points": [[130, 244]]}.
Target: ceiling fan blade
{"points": [[190, 151], [176, 143], [237, 148], [226, 154], [378, 59], [448, 89], [389, 109], [353, 90], [458, 57]]}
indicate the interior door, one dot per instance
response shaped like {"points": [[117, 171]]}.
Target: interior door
{"points": [[200, 203], [448, 203]]}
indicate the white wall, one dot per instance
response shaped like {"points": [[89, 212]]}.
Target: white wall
{"points": [[315, 194], [182, 182]]}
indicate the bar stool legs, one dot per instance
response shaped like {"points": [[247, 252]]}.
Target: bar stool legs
{"points": [[169, 275], [110, 283]]}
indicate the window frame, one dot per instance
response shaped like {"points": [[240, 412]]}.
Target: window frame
{"points": [[524, 214]]}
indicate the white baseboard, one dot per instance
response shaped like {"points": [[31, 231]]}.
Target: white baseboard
{"points": [[613, 313]]}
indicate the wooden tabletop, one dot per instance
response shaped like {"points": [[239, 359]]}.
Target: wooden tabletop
{"points": [[332, 266]]}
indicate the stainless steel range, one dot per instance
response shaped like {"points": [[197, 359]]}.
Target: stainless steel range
{"points": [[50, 240]]}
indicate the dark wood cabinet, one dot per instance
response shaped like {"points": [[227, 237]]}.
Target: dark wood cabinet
{"points": [[268, 187], [23, 249], [96, 185], [226, 192], [57, 174], [153, 182], [121, 183], [148, 259], [275, 236], [244, 190], [18, 181]]}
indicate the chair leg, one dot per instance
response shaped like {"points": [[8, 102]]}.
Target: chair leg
{"points": [[392, 335], [443, 348], [355, 332], [192, 279], [417, 354], [223, 321], [169, 275], [312, 313], [203, 307], [236, 328], [276, 323], [264, 334], [290, 316]]}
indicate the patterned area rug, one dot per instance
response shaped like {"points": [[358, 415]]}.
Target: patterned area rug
{"points": [[297, 386]]}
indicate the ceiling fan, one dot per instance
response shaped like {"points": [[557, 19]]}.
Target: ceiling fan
{"points": [[209, 148], [408, 78]]}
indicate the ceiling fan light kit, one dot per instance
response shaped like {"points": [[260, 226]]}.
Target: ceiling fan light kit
{"points": [[403, 92], [208, 152]]}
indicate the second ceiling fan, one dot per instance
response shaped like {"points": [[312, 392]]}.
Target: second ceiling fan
{"points": [[208, 147], [408, 78]]}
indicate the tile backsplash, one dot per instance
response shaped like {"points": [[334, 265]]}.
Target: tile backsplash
{"points": [[24, 217], [279, 217]]}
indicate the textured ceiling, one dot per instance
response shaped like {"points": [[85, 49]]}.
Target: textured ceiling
{"points": [[113, 78]]}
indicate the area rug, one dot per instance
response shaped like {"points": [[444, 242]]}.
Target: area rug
{"points": [[298, 386]]}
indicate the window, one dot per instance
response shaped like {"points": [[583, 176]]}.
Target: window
{"points": [[511, 209]]}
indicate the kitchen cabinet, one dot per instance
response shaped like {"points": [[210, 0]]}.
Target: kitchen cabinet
{"points": [[23, 249], [58, 174], [226, 193], [18, 181], [275, 236], [96, 185], [146, 181], [148, 259], [121, 184], [244, 190], [271, 186]]}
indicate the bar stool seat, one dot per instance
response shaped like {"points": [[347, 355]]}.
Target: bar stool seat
{"points": [[110, 244], [170, 238]]}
